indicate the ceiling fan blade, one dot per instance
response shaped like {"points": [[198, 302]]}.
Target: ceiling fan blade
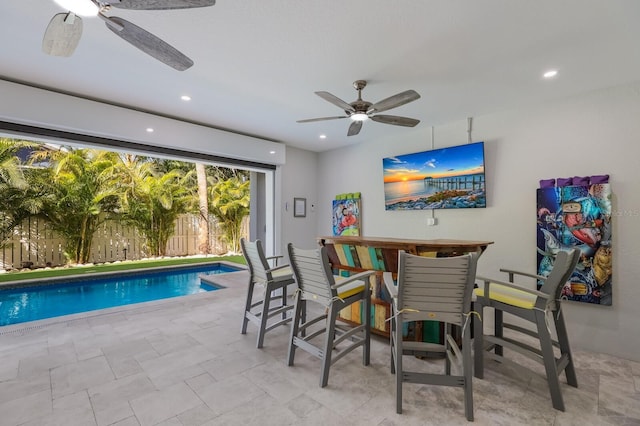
{"points": [[148, 43], [395, 120], [310, 120], [62, 34], [395, 101], [160, 4], [335, 100], [354, 129]]}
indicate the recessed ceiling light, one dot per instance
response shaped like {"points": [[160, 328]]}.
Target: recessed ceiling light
{"points": [[550, 74], [185, 98], [323, 136], [79, 7], [272, 152], [149, 129]]}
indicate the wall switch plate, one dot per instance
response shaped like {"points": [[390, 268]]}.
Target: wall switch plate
{"points": [[431, 221]]}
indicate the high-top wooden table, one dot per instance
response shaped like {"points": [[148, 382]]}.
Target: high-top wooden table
{"points": [[355, 254]]}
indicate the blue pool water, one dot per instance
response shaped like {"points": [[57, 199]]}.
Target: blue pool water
{"points": [[24, 304]]}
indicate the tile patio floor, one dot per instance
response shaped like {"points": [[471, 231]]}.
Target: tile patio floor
{"points": [[183, 361]]}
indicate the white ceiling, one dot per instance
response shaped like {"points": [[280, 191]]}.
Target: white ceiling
{"points": [[259, 62]]}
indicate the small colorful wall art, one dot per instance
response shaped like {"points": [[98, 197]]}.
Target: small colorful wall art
{"points": [[576, 213], [346, 214]]}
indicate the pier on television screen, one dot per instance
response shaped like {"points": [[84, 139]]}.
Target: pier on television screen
{"points": [[445, 178]]}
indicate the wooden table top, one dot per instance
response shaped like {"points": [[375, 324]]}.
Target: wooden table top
{"points": [[402, 242]]}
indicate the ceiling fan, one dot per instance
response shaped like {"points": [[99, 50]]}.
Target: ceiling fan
{"points": [[360, 110], [64, 30]]}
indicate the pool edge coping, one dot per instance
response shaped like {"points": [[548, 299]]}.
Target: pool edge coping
{"points": [[33, 282]]}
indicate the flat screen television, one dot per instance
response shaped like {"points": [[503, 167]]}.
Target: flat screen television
{"points": [[445, 178]]}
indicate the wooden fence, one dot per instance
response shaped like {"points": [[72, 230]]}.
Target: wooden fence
{"points": [[34, 245]]}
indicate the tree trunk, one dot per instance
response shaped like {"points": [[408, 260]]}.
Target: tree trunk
{"points": [[203, 222]]}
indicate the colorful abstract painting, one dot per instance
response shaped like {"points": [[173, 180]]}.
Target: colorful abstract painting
{"points": [[346, 217], [577, 217]]}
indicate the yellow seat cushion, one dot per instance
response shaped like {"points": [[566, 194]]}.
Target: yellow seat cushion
{"points": [[508, 295], [350, 289]]}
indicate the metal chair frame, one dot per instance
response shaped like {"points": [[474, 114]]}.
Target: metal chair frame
{"points": [[547, 303], [274, 279], [316, 283], [433, 289]]}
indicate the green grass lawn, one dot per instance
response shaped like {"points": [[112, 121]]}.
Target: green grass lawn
{"points": [[112, 267]]}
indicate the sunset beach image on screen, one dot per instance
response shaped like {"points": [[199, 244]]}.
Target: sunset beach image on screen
{"points": [[445, 178]]}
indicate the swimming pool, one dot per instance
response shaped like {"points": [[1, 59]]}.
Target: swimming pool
{"points": [[81, 294]]}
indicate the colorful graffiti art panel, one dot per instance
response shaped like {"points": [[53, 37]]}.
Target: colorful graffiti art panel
{"points": [[346, 217], [577, 217]]}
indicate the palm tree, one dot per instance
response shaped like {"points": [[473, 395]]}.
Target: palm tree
{"points": [[10, 168], [18, 199], [81, 198], [151, 200], [203, 209], [163, 198], [229, 203]]}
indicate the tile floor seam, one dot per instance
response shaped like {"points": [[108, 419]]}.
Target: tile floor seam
{"points": [[199, 397]]}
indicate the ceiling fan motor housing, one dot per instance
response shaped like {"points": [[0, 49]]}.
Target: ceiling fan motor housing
{"points": [[359, 106]]}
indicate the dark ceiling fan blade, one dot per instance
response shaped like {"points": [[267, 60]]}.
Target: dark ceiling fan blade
{"points": [[62, 34], [148, 43], [395, 120], [335, 100], [354, 129], [394, 101], [160, 4], [310, 120]]}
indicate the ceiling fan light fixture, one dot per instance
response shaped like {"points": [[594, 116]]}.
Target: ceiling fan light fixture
{"points": [[359, 116], [79, 7]]}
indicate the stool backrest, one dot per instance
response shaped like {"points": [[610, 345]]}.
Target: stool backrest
{"points": [[313, 273], [253, 253], [563, 265], [436, 289]]}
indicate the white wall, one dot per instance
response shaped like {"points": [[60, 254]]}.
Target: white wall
{"points": [[299, 181], [596, 133]]}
